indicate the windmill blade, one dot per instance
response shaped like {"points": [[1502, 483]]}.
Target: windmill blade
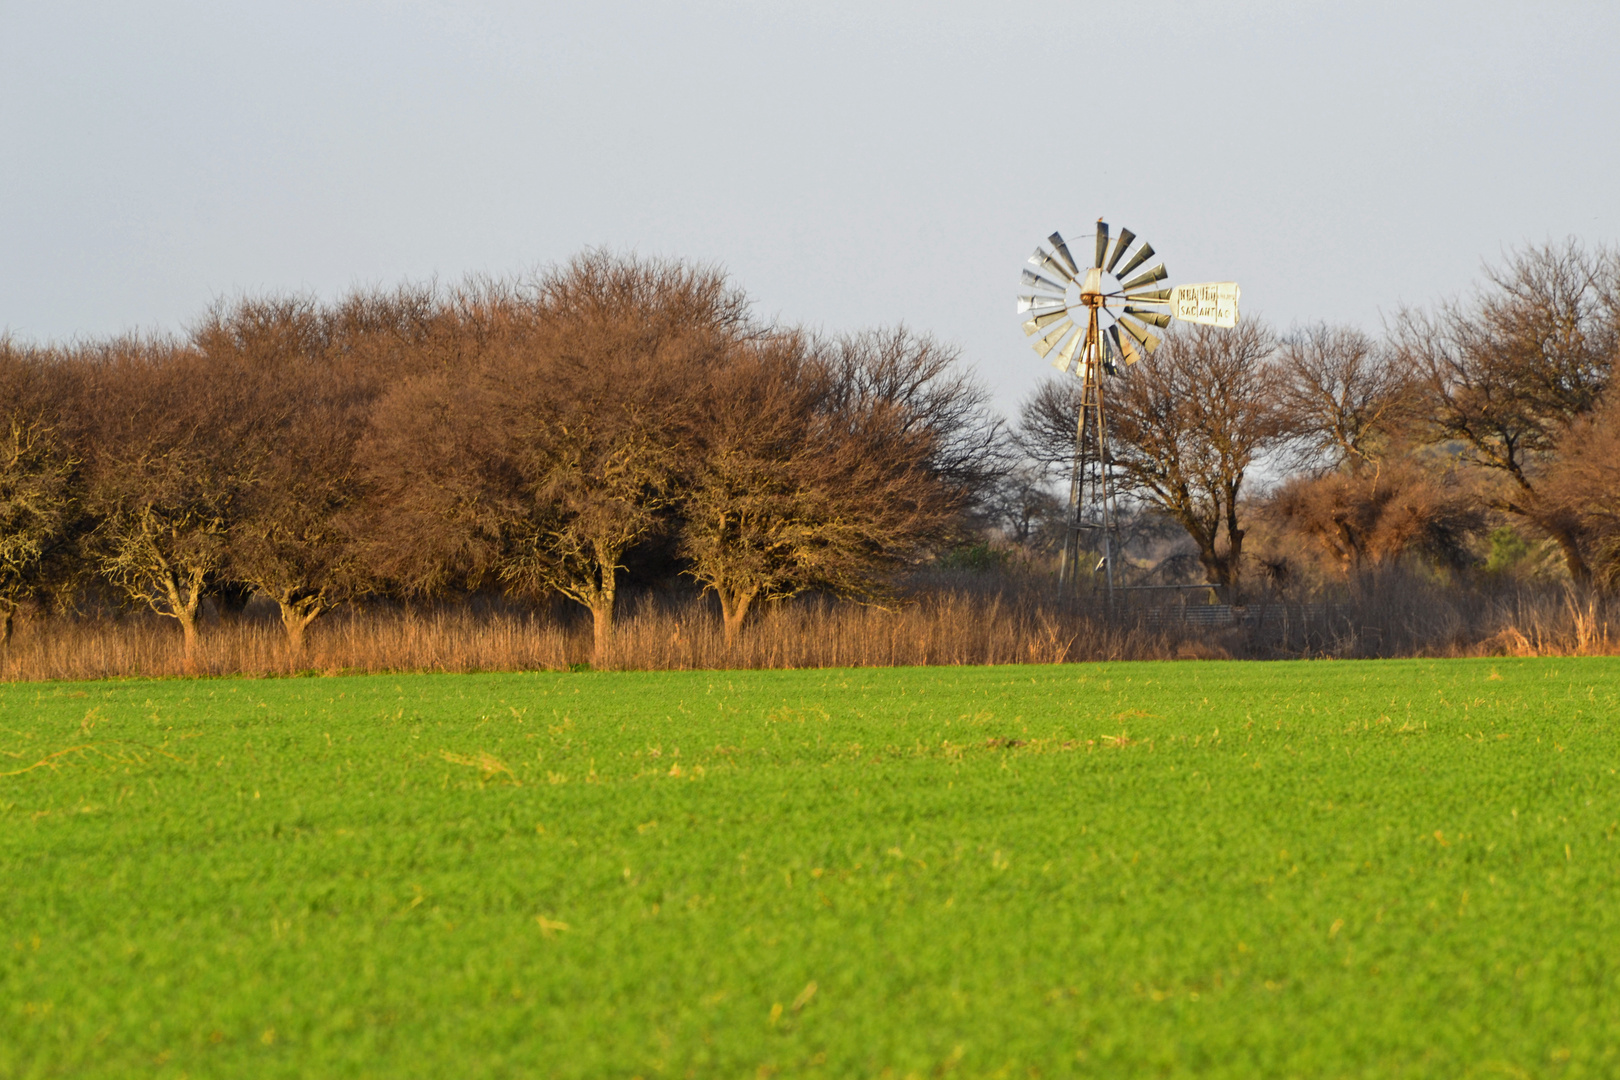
{"points": [[1040, 322], [1053, 336], [1157, 318], [1138, 259], [1123, 345], [1102, 243], [1148, 341], [1036, 302], [1066, 357], [1124, 241], [1043, 259], [1105, 345], [1157, 296], [1148, 277], [1056, 240], [1035, 281]]}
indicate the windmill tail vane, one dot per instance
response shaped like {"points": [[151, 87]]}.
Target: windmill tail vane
{"points": [[1099, 319]]}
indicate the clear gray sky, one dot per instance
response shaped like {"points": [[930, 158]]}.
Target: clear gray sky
{"points": [[851, 164]]}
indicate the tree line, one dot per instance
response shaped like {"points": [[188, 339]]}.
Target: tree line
{"points": [[619, 420], [544, 436]]}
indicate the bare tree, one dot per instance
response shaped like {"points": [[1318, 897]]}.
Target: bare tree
{"points": [[1508, 372], [1023, 508], [166, 463], [310, 380], [930, 393], [1369, 496], [1186, 425], [597, 407], [800, 483]]}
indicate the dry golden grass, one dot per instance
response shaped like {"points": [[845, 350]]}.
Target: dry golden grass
{"points": [[952, 626]]}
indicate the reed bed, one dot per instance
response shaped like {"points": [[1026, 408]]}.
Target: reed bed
{"points": [[981, 623]]}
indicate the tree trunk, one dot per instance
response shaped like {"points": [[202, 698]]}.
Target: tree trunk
{"points": [[1234, 543], [6, 623], [296, 615], [187, 617], [733, 609], [601, 621], [1209, 556], [184, 597], [1579, 572]]}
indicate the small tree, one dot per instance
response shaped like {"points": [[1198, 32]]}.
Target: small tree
{"points": [[1369, 518], [1367, 495]]}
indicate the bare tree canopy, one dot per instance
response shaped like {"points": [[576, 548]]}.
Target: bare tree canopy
{"points": [[1582, 487], [922, 383], [1344, 396]]}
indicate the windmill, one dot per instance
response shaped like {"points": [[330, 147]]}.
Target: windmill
{"points": [[1096, 320]]}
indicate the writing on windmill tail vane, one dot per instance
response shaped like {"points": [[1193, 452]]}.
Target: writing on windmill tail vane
{"points": [[1213, 303]]}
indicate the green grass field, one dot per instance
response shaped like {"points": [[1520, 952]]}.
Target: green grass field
{"points": [[1383, 869]]}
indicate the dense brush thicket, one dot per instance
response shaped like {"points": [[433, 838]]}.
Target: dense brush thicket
{"points": [[619, 423]]}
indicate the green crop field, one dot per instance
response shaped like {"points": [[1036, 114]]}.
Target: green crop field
{"points": [[1326, 869]]}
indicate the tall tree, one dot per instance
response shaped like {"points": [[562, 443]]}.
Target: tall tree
{"points": [[797, 483], [1506, 373], [597, 407], [310, 378], [169, 454], [1186, 426]]}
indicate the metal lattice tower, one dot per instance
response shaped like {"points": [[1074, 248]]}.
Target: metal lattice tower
{"points": [[1092, 523]]}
